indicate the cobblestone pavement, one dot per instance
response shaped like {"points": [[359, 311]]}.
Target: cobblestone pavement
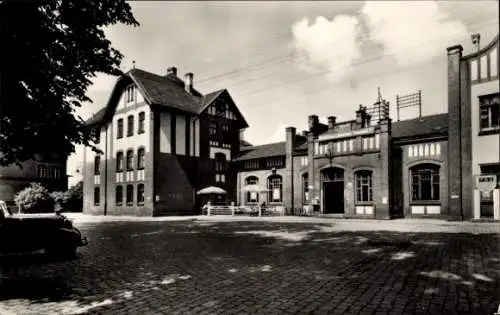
{"points": [[265, 266]]}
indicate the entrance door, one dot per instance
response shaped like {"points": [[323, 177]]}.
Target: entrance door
{"points": [[333, 197], [333, 190]]}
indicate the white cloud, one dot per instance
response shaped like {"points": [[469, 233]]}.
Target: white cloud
{"points": [[324, 44], [412, 32]]}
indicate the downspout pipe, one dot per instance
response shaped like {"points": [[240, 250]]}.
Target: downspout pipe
{"points": [[106, 172]]}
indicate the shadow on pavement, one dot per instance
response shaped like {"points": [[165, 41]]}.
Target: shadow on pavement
{"points": [[240, 267]]}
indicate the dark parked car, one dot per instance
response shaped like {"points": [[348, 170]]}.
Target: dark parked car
{"points": [[53, 232]]}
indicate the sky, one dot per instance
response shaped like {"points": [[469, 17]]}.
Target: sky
{"points": [[282, 61]]}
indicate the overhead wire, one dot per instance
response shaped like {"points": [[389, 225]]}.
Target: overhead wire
{"points": [[291, 55], [280, 35], [321, 73]]}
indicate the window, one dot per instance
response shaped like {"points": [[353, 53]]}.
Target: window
{"points": [[57, 172], [140, 194], [130, 195], [119, 195], [140, 159], [142, 119], [212, 130], [425, 182], [220, 168], [119, 131], [305, 188], [97, 165], [130, 126], [130, 160], [220, 109], [97, 196], [275, 162], [220, 163], [489, 112], [364, 192], [129, 97], [491, 169], [48, 171], [274, 184], [251, 164], [97, 135], [119, 162], [252, 196]]}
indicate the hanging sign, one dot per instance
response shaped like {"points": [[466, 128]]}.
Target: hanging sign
{"points": [[486, 183]]}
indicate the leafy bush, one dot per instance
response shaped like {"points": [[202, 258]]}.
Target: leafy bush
{"points": [[74, 198], [34, 199], [60, 199]]}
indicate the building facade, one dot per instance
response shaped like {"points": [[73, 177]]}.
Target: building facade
{"points": [[160, 142], [48, 171], [474, 109], [360, 168], [178, 141]]}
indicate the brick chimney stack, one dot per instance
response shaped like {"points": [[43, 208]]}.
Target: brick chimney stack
{"points": [[331, 122], [313, 121], [172, 71]]}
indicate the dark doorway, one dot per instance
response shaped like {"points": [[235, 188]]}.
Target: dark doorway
{"points": [[333, 190]]}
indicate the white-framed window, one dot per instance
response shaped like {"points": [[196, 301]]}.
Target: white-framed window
{"points": [[364, 189], [129, 94], [275, 187], [489, 112], [252, 196]]}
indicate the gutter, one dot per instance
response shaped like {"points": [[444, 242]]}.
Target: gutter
{"points": [[106, 173]]}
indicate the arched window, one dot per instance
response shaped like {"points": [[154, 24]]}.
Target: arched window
{"points": [[142, 119], [97, 165], [130, 126], [275, 187], [119, 162], [425, 182], [140, 159], [140, 194], [130, 195], [119, 195], [130, 160], [252, 196], [220, 168], [97, 196], [305, 188], [119, 131], [364, 191]]}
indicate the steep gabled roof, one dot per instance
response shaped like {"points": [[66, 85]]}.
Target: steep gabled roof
{"points": [[262, 151], [168, 91]]}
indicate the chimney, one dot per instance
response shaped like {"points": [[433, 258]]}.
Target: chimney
{"points": [[188, 82], [331, 122], [368, 120], [476, 40], [313, 121], [172, 71], [361, 116], [290, 133]]}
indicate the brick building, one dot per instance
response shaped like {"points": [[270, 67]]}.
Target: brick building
{"points": [[474, 109], [49, 171], [368, 167], [161, 141]]}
